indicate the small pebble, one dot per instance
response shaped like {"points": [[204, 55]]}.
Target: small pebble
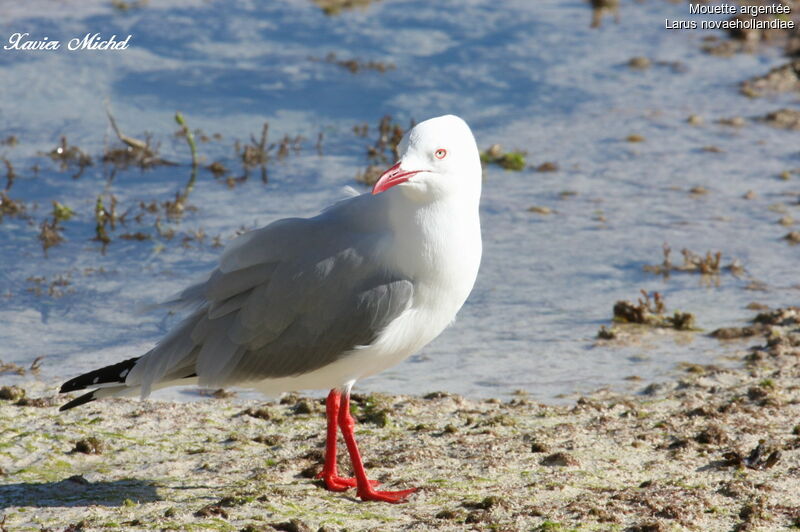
{"points": [[547, 166], [793, 237], [735, 121], [89, 445], [559, 459], [695, 120]]}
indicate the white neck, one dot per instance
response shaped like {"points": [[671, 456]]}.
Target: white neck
{"points": [[439, 246]]}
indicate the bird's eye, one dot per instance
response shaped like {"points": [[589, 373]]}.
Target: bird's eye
{"points": [[441, 153]]}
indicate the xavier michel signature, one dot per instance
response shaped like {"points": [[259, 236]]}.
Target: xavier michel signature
{"points": [[90, 41]]}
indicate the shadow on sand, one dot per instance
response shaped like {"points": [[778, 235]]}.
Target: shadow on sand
{"points": [[77, 491]]}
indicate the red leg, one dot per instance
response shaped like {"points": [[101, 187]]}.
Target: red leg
{"points": [[330, 472], [364, 487]]}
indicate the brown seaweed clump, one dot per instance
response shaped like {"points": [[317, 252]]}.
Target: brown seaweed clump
{"points": [[335, 7], [650, 311], [600, 8], [144, 156], [782, 334], [55, 288], [732, 333], [256, 154], [793, 237], [9, 206], [708, 264], [784, 78], [783, 119], [355, 66], [90, 445], [383, 150], [780, 328], [134, 152], [70, 156], [390, 134], [103, 218], [547, 166], [50, 230], [763, 456], [11, 393], [639, 63], [50, 234]]}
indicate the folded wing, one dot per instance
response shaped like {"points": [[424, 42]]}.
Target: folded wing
{"points": [[286, 300]]}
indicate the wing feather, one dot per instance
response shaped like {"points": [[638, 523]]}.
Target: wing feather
{"points": [[174, 351], [225, 285], [217, 309], [260, 246]]}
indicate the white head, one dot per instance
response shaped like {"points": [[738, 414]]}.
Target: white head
{"points": [[439, 158]]}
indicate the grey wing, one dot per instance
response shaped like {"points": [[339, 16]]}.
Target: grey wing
{"points": [[326, 329], [268, 312]]}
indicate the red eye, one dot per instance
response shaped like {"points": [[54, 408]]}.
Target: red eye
{"points": [[441, 153]]}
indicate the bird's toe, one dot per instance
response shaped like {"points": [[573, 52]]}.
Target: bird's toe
{"points": [[337, 483], [385, 496]]}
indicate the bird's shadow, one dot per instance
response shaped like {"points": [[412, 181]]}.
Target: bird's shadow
{"points": [[77, 491]]}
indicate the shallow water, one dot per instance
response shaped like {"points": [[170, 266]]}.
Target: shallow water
{"points": [[531, 76]]}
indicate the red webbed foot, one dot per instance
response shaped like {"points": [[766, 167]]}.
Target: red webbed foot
{"points": [[385, 496]]}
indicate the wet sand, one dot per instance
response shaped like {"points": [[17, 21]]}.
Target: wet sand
{"points": [[716, 449]]}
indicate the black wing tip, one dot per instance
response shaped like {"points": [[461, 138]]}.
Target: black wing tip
{"points": [[113, 373], [78, 401], [78, 383], [68, 386]]}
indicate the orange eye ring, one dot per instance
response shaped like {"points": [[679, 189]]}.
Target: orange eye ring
{"points": [[441, 153]]}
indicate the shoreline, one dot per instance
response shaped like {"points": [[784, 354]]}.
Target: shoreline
{"points": [[716, 449]]}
